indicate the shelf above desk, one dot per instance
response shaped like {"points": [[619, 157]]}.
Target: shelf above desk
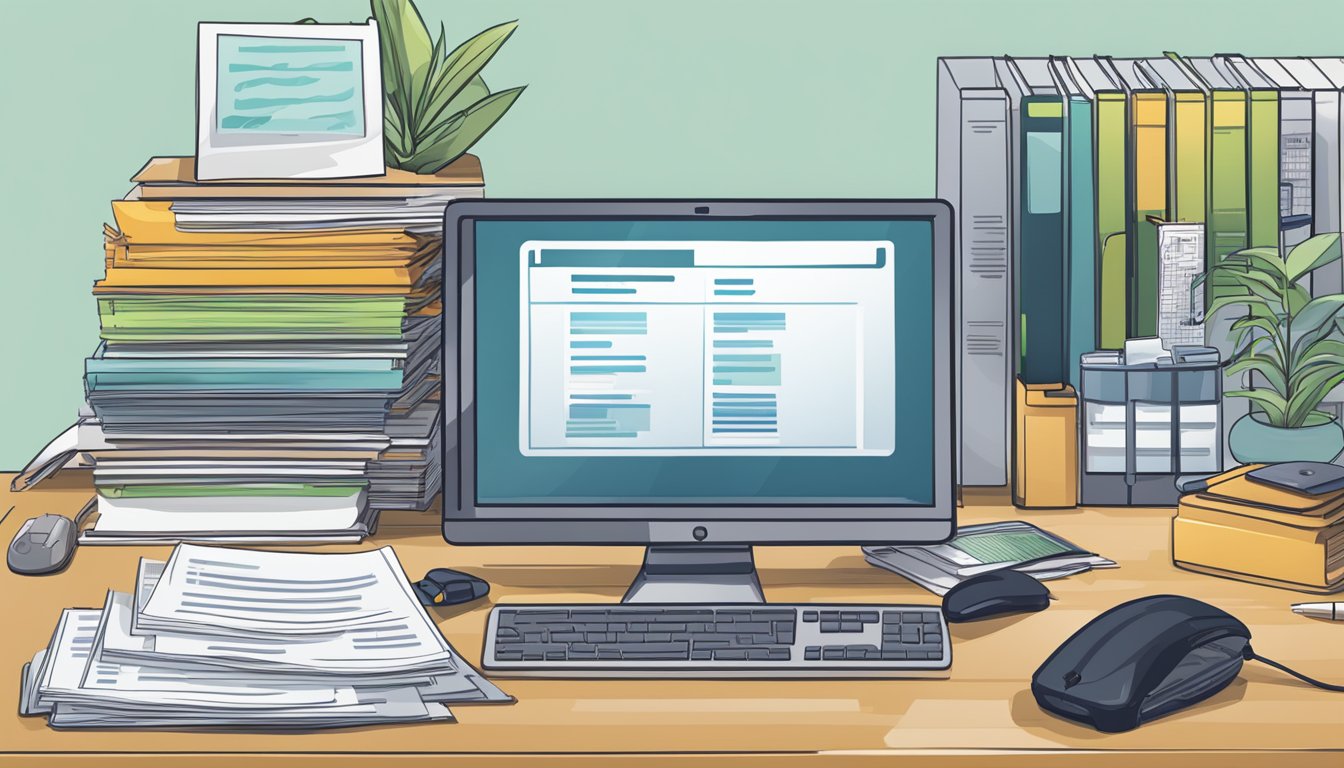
{"points": [[983, 715]]}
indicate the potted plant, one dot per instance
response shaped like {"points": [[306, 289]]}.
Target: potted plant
{"points": [[435, 105], [1292, 341]]}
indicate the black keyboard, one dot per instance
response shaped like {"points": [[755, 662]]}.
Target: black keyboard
{"points": [[640, 639]]}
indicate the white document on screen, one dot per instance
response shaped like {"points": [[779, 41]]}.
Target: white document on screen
{"points": [[694, 348]]}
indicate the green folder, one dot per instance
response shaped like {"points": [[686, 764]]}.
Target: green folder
{"points": [[1262, 167], [1110, 120], [1226, 161], [251, 317]]}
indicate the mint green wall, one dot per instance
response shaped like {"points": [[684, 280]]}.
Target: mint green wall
{"points": [[678, 98]]}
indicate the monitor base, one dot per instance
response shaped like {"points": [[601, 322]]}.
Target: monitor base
{"points": [[699, 574]]}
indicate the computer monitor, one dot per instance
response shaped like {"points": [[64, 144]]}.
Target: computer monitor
{"points": [[698, 377], [288, 101]]}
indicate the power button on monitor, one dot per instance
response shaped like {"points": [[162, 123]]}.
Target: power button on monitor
{"points": [[700, 533]]}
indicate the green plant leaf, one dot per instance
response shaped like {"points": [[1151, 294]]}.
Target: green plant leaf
{"points": [[1232, 301], [405, 49], [394, 134], [1267, 259], [1298, 297], [1268, 366], [1317, 418], [432, 73], [1316, 319], [463, 130], [462, 67], [1312, 254], [1274, 405], [1273, 333], [1311, 390]]}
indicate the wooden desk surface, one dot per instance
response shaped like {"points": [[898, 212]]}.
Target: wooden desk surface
{"points": [[985, 710]]}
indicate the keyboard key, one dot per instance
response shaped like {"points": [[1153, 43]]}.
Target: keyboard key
{"points": [[868, 617], [830, 626], [812, 653], [539, 617], [753, 627], [809, 616], [667, 655], [851, 626], [833, 653]]}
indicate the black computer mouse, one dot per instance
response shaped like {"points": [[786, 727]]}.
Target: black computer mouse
{"points": [[444, 586], [993, 594], [1141, 660]]}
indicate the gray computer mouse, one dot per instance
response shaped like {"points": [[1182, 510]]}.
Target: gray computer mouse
{"points": [[43, 544], [995, 593]]}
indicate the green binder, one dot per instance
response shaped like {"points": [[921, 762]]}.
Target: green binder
{"points": [[1226, 139]]}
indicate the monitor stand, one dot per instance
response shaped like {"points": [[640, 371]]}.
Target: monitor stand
{"points": [[697, 574]]}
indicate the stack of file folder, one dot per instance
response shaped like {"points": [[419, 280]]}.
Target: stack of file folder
{"points": [[1091, 192], [224, 638], [269, 366]]}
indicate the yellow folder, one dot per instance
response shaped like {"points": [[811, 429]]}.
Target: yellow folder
{"points": [[376, 280], [266, 256]]}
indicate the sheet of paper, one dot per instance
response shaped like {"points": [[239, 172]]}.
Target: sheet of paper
{"points": [[1143, 351], [214, 589]]}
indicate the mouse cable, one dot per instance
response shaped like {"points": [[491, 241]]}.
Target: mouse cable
{"points": [[1249, 654], [89, 508]]}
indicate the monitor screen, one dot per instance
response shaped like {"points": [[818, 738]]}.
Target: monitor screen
{"points": [[288, 101], [289, 85], [724, 362]]}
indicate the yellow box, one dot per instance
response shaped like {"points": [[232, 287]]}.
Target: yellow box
{"points": [[1045, 446]]}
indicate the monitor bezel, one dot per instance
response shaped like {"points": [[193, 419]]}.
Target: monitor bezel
{"points": [[466, 522]]}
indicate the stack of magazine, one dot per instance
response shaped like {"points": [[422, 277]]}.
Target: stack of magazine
{"points": [[226, 638], [269, 365], [978, 549]]}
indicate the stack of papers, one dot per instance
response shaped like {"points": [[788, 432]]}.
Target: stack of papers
{"points": [[978, 549], [225, 638], [258, 339]]}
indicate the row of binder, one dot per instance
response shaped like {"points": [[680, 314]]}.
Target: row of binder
{"points": [[1061, 169]]}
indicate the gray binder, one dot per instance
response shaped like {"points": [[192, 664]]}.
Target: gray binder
{"points": [[973, 175], [1296, 155]]}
